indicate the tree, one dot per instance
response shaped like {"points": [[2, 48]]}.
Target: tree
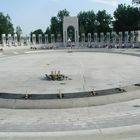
{"points": [[6, 27], [60, 16], [126, 18], [90, 22], [87, 21], [103, 21], [54, 26]]}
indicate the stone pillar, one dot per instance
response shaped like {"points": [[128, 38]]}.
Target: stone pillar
{"points": [[4, 40], [83, 38], [46, 39], [95, 37], [22, 39], [137, 38], [132, 38], [102, 38], [59, 38], [114, 37], [89, 39], [108, 38], [76, 36], [15, 40], [33, 39], [40, 39], [9, 40], [126, 38], [52, 38], [120, 39], [27, 40], [65, 39]]}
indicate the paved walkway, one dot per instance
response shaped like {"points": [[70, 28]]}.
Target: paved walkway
{"points": [[99, 117]]}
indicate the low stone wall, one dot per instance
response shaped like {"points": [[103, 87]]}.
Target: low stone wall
{"points": [[68, 103]]}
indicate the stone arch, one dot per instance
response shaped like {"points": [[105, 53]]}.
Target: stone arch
{"points": [[71, 33], [70, 22]]}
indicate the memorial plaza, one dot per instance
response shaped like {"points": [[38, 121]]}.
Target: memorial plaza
{"points": [[70, 86]]}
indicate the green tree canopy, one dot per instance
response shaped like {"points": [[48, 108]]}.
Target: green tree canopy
{"points": [[126, 18], [6, 27], [54, 25], [61, 15], [87, 21], [90, 22], [103, 21]]}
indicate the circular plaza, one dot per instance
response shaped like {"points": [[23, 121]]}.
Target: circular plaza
{"points": [[25, 74]]}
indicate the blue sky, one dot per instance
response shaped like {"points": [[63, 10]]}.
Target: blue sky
{"points": [[35, 14]]}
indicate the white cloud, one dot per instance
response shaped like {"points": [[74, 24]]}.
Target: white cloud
{"points": [[108, 2]]}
